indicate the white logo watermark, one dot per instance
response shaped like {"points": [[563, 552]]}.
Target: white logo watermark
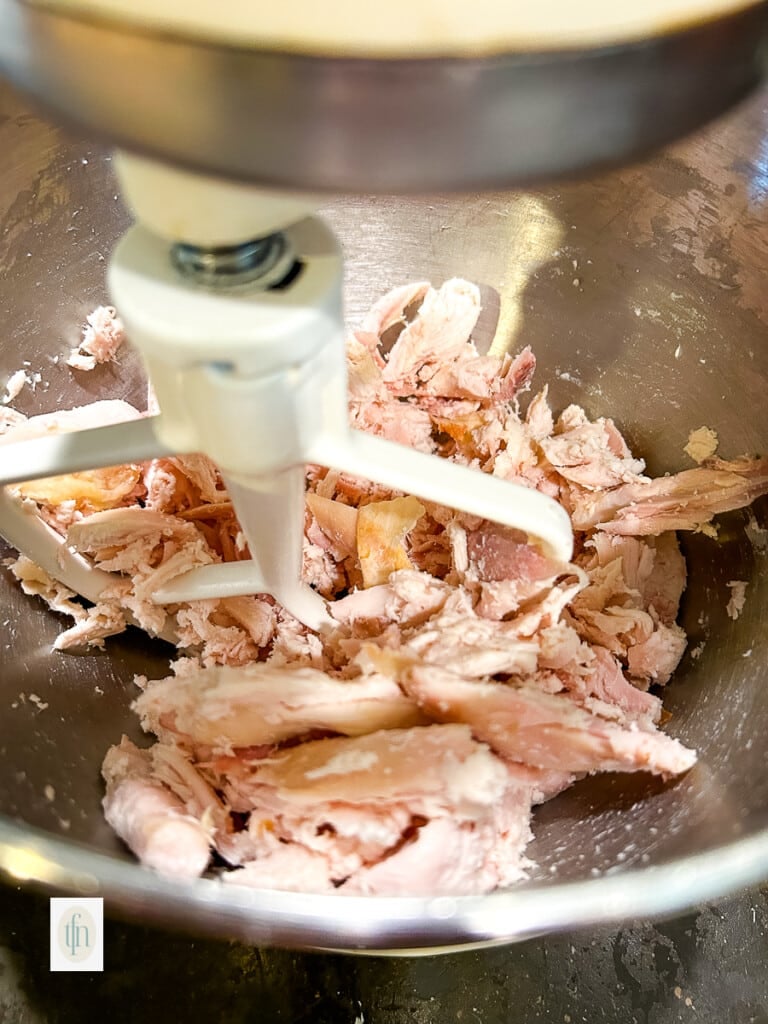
{"points": [[77, 934]]}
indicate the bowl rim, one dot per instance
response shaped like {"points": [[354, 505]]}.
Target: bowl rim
{"points": [[397, 925]]}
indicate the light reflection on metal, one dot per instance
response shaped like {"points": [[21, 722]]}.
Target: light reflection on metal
{"points": [[535, 234], [757, 183], [26, 865]]}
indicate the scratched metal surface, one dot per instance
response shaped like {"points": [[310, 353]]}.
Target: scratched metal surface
{"points": [[642, 293]]}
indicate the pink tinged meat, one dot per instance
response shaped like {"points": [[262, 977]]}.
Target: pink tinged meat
{"points": [[538, 419], [560, 647], [101, 340], [484, 378], [592, 455], [617, 628], [445, 857], [655, 659], [685, 501], [362, 802], [497, 553], [401, 422], [653, 567], [605, 682], [515, 375], [663, 589], [288, 868], [438, 335], [172, 768], [149, 817], [546, 731], [225, 708]]}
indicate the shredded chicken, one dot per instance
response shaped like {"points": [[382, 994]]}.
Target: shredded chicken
{"points": [[468, 677], [102, 337]]}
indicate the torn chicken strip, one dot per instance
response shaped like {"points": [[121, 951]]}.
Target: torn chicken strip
{"points": [[364, 382], [102, 337], [150, 819], [539, 421], [471, 646], [408, 598], [35, 581], [653, 567], [605, 690], [437, 336], [398, 421], [104, 619], [593, 455], [685, 501], [397, 307], [225, 708], [358, 802], [151, 548], [91, 626], [485, 378], [524, 724], [655, 659]]}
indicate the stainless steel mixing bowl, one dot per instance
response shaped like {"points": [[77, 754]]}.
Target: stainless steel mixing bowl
{"points": [[643, 295]]}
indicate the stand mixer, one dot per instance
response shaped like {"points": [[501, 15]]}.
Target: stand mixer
{"points": [[221, 351]]}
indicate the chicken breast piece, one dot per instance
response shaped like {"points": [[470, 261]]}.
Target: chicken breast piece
{"points": [[223, 708], [685, 501], [150, 819], [417, 811], [544, 730]]}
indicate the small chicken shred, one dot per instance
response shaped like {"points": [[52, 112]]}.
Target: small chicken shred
{"points": [[102, 337], [468, 677]]}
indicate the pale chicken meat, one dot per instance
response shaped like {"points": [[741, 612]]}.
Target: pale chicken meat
{"points": [[223, 708], [150, 818], [466, 677]]}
